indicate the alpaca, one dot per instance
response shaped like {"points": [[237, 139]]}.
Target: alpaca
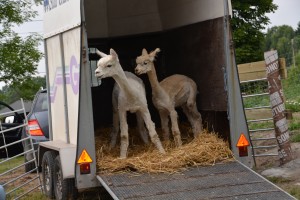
{"points": [[131, 96], [116, 121], [174, 91]]}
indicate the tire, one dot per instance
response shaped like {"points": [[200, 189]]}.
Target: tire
{"points": [[73, 192], [63, 188], [29, 166], [48, 173]]}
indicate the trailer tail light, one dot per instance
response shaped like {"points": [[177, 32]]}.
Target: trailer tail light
{"points": [[84, 161], [34, 128], [242, 145], [85, 168]]}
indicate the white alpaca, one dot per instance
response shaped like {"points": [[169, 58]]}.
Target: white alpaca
{"points": [[131, 96], [173, 91]]}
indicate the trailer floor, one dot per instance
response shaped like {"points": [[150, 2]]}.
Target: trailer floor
{"points": [[221, 181]]}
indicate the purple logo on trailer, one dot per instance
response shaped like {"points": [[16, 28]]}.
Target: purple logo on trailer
{"points": [[71, 77]]}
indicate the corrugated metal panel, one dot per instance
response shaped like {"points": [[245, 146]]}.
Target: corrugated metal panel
{"points": [[221, 181]]}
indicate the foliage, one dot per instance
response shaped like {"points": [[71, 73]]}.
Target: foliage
{"points": [[292, 105], [25, 89], [297, 31], [248, 21], [291, 87], [18, 56], [297, 56], [256, 101], [279, 38]]}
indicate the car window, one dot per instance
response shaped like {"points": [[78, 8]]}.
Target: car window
{"points": [[41, 103]]}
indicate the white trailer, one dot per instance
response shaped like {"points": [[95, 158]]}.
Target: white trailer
{"points": [[195, 39]]}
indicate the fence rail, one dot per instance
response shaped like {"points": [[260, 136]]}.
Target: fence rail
{"points": [[13, 177], [254, 85]]}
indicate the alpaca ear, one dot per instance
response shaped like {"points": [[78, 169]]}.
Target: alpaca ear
{"points": [[113, 53], [101, 54], [153, 53], [144, 52]]}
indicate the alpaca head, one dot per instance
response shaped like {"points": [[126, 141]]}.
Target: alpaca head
{"points": [[145, 61], [108, 65]]}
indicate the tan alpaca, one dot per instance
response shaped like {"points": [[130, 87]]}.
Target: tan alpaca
{"points": [[130, 96], [174, 91]]}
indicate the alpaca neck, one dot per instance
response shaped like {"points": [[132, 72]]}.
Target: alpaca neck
{"points": [[123, 83], [156, 88]]}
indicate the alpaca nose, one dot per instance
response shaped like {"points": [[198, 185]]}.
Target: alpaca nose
{"points": [[97, 72]]}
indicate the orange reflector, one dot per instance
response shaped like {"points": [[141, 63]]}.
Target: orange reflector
{"points": [[242, 142], [84, 157]]}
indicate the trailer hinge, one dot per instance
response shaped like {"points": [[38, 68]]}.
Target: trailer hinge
{"points": [[226, 89], [84, 53]]}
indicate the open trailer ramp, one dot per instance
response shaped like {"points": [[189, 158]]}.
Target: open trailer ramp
{"points": [[222, 181]]}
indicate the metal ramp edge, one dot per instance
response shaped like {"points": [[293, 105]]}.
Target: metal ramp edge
{"points": [[222, 181]]}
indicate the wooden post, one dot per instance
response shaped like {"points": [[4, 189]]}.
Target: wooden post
{"points": [[278, 108]]}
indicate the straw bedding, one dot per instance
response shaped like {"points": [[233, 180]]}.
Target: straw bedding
{"points": [[207, 149]]}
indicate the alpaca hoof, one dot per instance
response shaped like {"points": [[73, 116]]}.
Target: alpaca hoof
{"points": [[166, 138], [179, 143], [111, 146], [162, 151]]}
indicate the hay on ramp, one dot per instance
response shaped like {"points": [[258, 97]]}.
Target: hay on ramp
{"points": [[206, 149]]}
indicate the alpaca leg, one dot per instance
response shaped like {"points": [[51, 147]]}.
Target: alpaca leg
{"points": [[192, 111], [124, 134], [116, 123], [115, 130], [175, 128], [194, 118], [141, 127], [164, 118], [152, 132]]}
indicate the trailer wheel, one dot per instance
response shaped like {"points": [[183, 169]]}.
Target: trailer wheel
{"points": [[47, 173], [29, 166], [63, 188]]}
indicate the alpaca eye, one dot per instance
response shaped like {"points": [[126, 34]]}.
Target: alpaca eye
{"points": [[146, 62], [108, 65]]}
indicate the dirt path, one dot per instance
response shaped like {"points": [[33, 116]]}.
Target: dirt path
{"points": [[286, 176]]}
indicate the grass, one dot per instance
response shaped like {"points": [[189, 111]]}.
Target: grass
{"points": [[15, 162], [295, 138], [260, 125], [295, 191], [11, 163], [284, 183], [294, 126], [278, 180], [37, 195]]}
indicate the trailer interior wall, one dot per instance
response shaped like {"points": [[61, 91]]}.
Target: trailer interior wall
{"points": [[190, 35]]}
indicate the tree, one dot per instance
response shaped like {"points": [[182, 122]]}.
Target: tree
{"points": [[248, 21], [297, 32], [279, 38], [26, 90], [19, 56]]}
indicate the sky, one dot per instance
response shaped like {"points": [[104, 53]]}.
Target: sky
{"points": [[286, 14]]}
